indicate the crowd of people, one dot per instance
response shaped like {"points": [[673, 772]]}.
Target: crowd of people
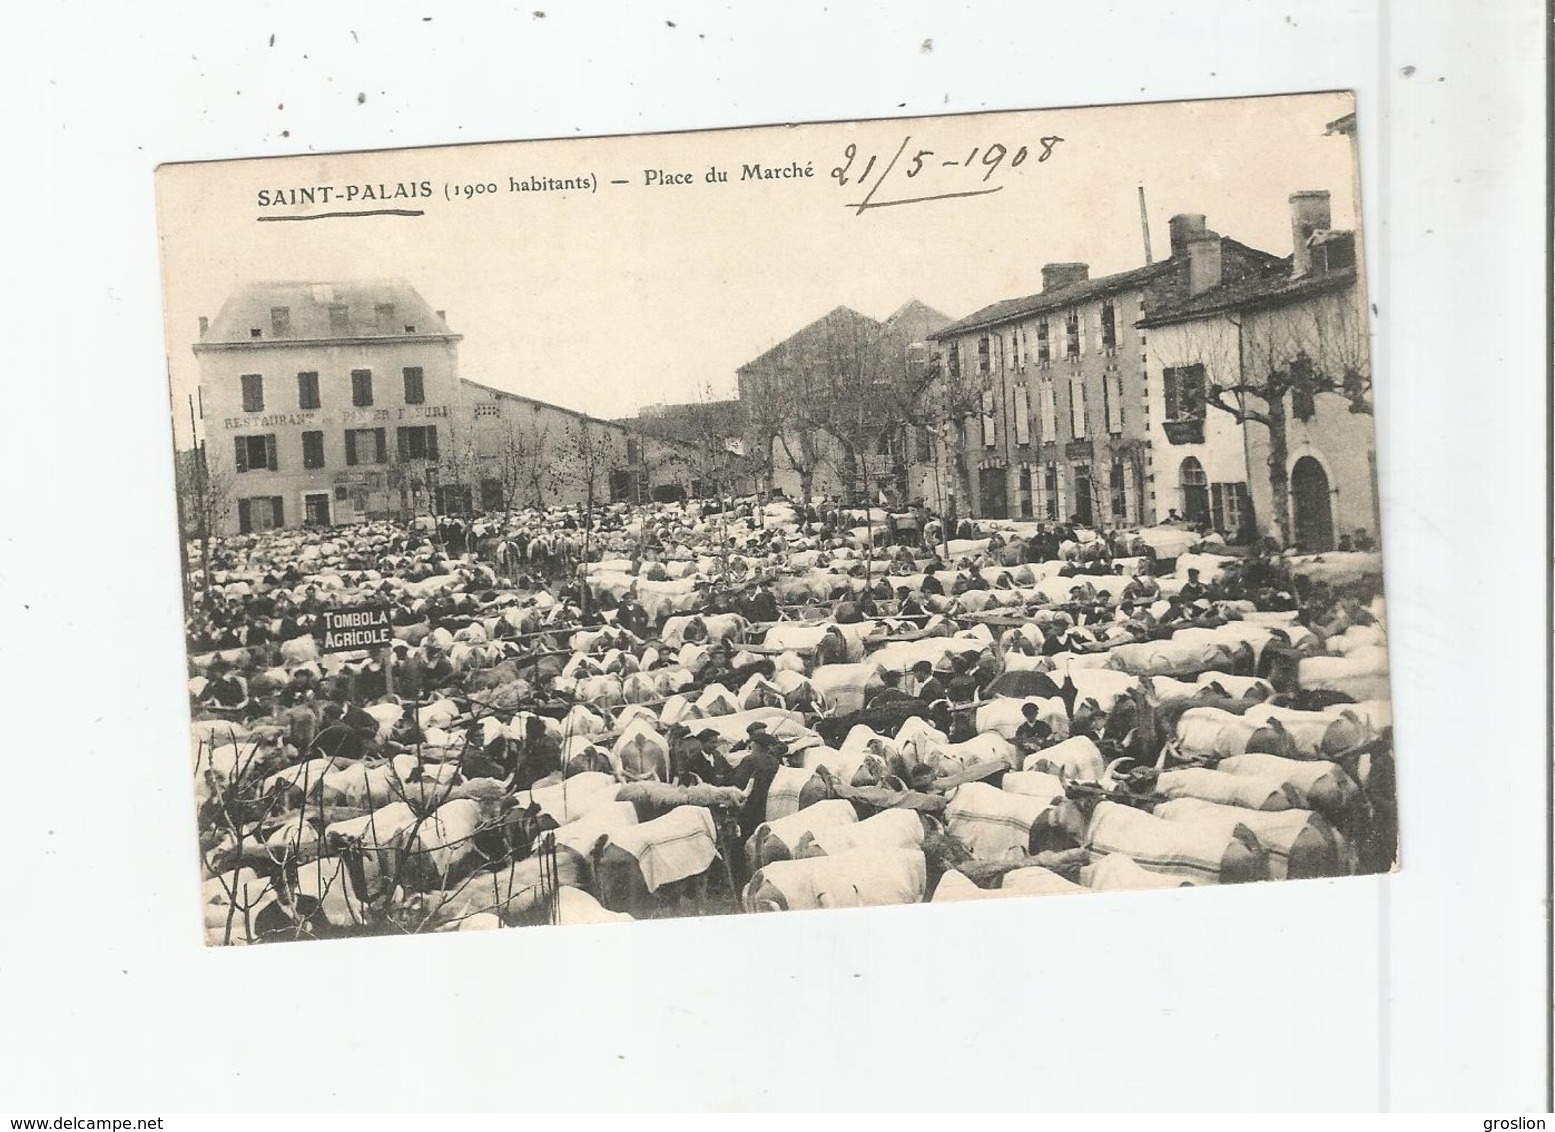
{"points": [[527, 646]]}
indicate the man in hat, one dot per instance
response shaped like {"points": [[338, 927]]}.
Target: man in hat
{"points": [[631, 615], [909, 606], [704, 759], [927, 686], [1032, 734], [1193, 589], [762, 605], [1142, 587]]}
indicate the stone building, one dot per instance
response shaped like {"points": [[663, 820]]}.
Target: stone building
{"points": [[1058, 381]]}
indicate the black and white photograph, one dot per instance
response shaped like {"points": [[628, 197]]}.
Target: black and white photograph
{"points": [[776, 519]]}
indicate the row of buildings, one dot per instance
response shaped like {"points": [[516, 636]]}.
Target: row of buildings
{"points": [[1223, 384]]}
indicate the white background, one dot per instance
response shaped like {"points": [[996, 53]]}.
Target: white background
{"points": [[1423, 991]]}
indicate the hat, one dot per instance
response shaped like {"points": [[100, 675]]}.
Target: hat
{"points": [[755, 727], [708, 733], [923, 666], [766, 739]]}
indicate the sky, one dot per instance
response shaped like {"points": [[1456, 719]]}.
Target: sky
{"points": [[626, 295]]}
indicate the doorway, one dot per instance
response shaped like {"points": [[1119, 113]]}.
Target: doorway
{"points": [[1312, 506], [992, 499], [1195, 491], [315, 508]]}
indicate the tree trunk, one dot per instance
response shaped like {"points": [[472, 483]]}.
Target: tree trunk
{"points": [[1279, 471], [807, 483], [850, 469]]}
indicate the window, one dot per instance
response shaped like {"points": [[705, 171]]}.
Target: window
{"points": [[990, 429], [1077, 408], [1231, 509], [1023, 492], [982, 354], [1195, 491], [488, 409], [1015, 346], [255, 453], [308, 390], [883, 443], [1116, 481], [925, 445], [1083, 511], [260, 513], [384, 314], [953, 359], [253, 393], [1072, 335], [255, 332], [1049, 403], [1044, 349], [409, 329], [1112, 401], [361, 387], [1109, 327], [633, 451], [313, 450], [366, 446], [1022, 415], [280, 321], [415, 387], [491, 495], [1183, 387], [418, 443], [316, 509], [1050, 500], [339, 319]]}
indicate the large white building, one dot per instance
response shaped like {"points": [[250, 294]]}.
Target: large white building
{"points": [[337, 402]]}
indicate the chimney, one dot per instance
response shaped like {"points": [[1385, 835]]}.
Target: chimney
{"points": [[1183, 227], [443, 315], [1203, 262], [1308, 214], [1057, 275], [205, 324]]}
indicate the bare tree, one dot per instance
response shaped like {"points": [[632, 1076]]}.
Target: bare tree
{"points": [[523, 455], [1292, 362], [206, 496]]}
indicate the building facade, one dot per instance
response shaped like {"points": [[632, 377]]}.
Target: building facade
{"points": [[342, 402], [1247, 335], [1058, 384]]}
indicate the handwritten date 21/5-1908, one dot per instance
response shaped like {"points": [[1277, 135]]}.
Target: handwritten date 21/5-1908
{"points": [[925, 174]]}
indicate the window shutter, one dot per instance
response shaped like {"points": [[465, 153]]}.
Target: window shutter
{"points": [[351, 447], [1081, 320], [381, 445], [240, 457], [1117, 402], [1077, 408], [270, 453], [1218, 504], [245, 520], [1022, 415], [277, 511], [1169, 390], [431, 442], [402, 443]]}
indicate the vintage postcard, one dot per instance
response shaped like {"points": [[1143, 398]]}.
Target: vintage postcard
{"points": [[769, 519]]}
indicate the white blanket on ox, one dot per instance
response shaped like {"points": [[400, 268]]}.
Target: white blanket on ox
{"points": [[848, 686], [640, 753], [828, 814], [1171, 657], [757, 692], [1004, 715], [889, 829], [678, 709], [900, 656], [438, 713], [862, 878], [785, 723], [1355, 638], [1337, 567], [681, 844], [573, 798], [955, 887], [1252, 792], [574, 906], [1243, 687], [991, 822], [717, 700], [1103, 685], [787, 636], [1277, 831], [1037, 881], [581, 835], [1213, 731], [1034, 784], [1159, 846], [1317, 784], [1362, 674], [989, 747], [783, 794], [1314, 732], [1077, 757], [1117, 872], [846, 763], [327, 881]]}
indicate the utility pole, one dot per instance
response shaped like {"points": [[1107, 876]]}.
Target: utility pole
{"points": [[1144, 225]]}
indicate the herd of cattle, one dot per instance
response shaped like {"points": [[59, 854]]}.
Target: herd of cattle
{"points": [[1086, 743]]}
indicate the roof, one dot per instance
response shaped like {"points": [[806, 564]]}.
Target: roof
{"points": [[836, 317], [915, 321], [1251, 294], [375, 308], [627, 425], [1008, 310]]}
